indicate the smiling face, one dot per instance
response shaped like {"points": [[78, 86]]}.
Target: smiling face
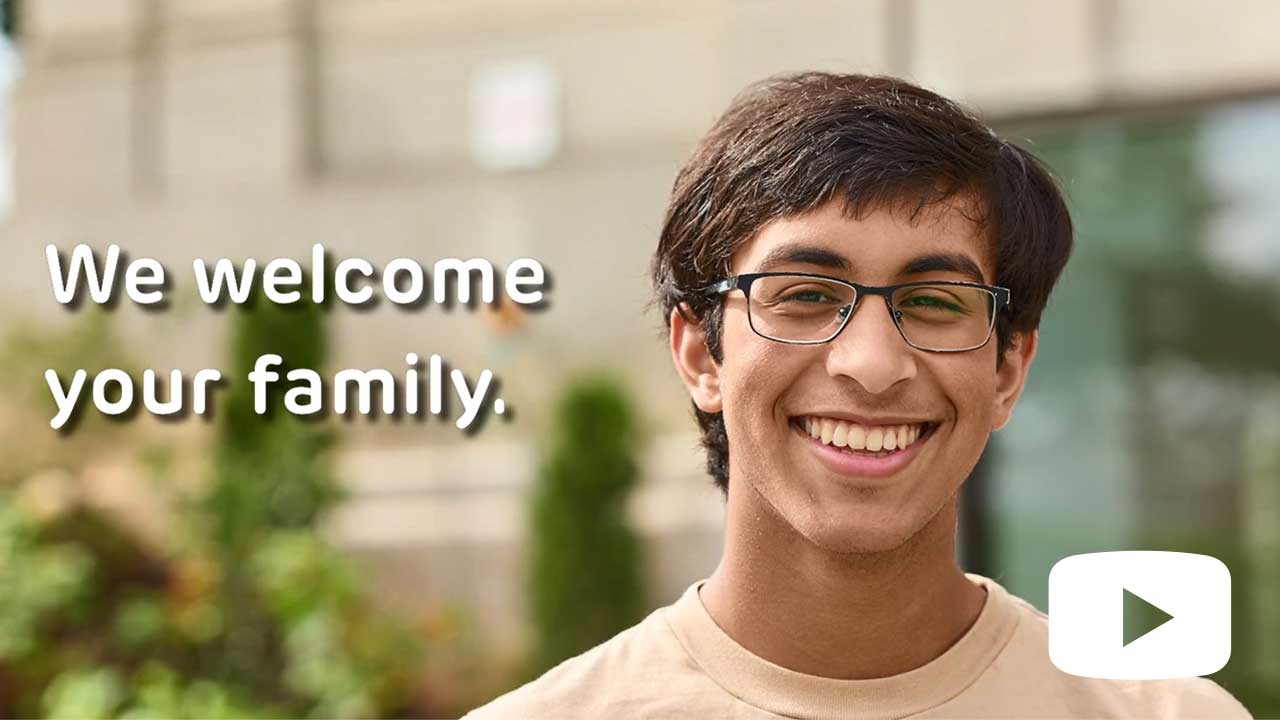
{"points": [[867, 390]]}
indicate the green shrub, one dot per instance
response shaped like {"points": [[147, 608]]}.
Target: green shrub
{"points": [[586, 577]]}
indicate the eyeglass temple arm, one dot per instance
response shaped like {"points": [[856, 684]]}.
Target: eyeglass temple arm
{"points": [[1004, 298], [717, 288]]}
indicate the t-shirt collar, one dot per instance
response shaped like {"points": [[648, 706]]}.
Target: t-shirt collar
{"points": [[776, 689]]}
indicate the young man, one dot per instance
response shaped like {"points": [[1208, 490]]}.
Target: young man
{"points": [[853, 271]]}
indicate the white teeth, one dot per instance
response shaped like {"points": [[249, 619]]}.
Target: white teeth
{"points": [[858, 437], [841, 436], [875, 440], [828, 429]]}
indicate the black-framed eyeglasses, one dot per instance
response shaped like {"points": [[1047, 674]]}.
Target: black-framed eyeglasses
{"points": [[807, 309]]}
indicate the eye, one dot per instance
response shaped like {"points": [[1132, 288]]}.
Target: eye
{"points": [[928, 301], [808, 296], [796, 294], [935, 300]]}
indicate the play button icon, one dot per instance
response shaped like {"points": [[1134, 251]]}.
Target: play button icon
{"points": [[1139, 615]]}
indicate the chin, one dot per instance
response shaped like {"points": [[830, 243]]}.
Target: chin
{"points": [[850, 534]]}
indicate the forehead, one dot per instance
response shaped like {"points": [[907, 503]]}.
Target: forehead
{"points": [[881, 246]]}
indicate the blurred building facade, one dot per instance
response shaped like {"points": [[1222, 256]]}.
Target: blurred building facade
{"points": [[254, 128]]}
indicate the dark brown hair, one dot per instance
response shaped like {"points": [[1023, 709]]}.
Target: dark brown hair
{"points": [[789, 144]]}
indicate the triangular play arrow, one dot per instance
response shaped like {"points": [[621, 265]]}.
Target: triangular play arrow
{"points": [[1140, 617]]}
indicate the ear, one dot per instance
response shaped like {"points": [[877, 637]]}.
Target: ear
{"points": [[1012, 376], [700, 373]]}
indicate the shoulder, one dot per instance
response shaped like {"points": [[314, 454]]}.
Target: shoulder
{"points": [[1028, 653], [639, 668]]}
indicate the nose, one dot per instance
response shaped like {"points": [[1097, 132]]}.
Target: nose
{"points": [[870, 350]]}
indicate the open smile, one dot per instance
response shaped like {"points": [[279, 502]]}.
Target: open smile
{"points": [[857, 450]]}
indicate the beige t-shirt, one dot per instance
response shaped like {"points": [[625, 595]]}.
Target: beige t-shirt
{"points": [[678, 663]]}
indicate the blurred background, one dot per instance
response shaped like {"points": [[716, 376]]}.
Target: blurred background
{"points": [[234, 567]]}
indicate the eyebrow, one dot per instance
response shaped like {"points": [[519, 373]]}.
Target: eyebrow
{"points": [[801, 254], [944, 262]]}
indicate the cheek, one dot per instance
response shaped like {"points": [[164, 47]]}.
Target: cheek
{"points": [[755, 375], [972, 389]]}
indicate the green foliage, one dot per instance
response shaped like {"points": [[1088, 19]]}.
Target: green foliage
{"points": [[270, 473], [271, 469], [156, 692], [586, 581], [249, 613], [163, 693], [293, 619], [86, 694], [39, 579], [25, 399]]}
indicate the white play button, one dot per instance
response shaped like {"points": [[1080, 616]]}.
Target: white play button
{"points": [[1139, 615]]}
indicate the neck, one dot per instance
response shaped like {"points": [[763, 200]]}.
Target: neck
{"points": [[838, 615]]}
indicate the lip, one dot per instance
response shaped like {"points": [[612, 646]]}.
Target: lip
{"points": [[867, 421], [863, 466]]}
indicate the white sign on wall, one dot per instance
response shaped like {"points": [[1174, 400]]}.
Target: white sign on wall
{"points": [[515, 114]]}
